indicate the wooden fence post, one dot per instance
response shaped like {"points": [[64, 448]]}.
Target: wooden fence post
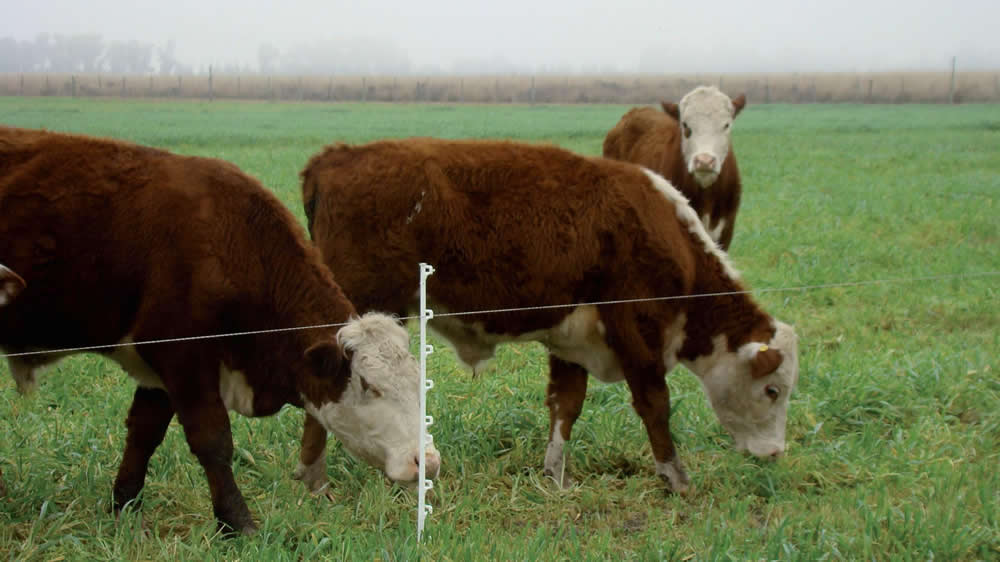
{"points": [[329, 90], [72, 80], [532, 90], [123, 86], [364, 89], [237, 85], [767, 90], [178, 85], [871, 85], [951, 88]]}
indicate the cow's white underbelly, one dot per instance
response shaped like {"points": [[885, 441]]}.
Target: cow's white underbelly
{"points": [[579, 339], [236, 394]]}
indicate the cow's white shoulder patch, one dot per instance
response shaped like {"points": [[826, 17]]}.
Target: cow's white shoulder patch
{"points": [[236, 394], [688, 216], [133, 364]]}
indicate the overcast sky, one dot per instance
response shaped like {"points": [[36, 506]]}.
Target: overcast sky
{"points": [[627, 35]]}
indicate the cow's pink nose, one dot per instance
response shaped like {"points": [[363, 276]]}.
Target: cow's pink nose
{"points": [[704, 162], [432, 464]]}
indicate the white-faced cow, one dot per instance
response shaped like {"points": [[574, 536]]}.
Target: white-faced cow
{"points": [[689, 145], [509, 225], [122, 244]]}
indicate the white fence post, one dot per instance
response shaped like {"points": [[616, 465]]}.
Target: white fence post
{"points": [[423, 484]]}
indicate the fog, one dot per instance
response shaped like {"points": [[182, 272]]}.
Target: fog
{"points": [[527, 36]]}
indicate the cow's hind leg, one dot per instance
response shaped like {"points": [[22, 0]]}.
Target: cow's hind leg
{"points": [[564, 397], [651, 400], [147, 423], [312, 461]]}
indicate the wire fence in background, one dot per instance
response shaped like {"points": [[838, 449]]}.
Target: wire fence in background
{"points": [[878, 87]]}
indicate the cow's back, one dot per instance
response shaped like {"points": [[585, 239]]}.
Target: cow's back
{"points": [[644, 136], [504, 224], [109, 233]]}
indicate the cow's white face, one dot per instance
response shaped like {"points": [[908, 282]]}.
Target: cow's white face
{"points": [[10, 285], [749, 389], [705, 117], [378, 415]]}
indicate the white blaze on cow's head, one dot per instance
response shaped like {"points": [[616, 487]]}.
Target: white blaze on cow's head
{"points": [[749, 388], [10, 285], [705, 117], [377, 416]]}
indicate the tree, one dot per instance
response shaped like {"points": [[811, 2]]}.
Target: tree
{"points": [[168, 60], [9, 60], [130, 57], [267, 58]]}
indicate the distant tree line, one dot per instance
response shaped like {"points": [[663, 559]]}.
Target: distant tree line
{"points": [[87, 52], [91, 53]]}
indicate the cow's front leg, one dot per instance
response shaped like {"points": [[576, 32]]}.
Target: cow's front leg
{"points": [[651, 400], [565, 394], [192, 382], [206, 426], [147, 423], [312, 461]]}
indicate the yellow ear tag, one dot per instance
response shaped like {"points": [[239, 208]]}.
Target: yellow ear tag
{"points": [[763, 347]]}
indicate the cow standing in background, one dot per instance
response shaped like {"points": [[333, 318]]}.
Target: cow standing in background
{"points": [[509, 225], [121, 243], [689, 145]]}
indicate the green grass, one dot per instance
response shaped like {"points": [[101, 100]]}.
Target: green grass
{"points": [[894, 431]]}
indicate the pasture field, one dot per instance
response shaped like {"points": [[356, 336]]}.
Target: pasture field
{"points": [[894, 430]]}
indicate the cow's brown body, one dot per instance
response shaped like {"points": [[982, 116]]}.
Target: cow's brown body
{"points": [[650, 137], [508, 225], [121, 243]]}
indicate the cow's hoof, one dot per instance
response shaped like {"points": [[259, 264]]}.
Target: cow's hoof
{"points": [[313, 477], [674, 475], [563, 481], [230, 530]]}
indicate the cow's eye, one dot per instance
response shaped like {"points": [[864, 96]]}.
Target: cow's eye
{"points": [[772, 391], [725, 127], [687, 130]]}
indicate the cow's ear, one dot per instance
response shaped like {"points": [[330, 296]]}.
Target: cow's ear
{"points": [[330, 362], [764, 362], [10, 285], [739, 102], [671, 109]]}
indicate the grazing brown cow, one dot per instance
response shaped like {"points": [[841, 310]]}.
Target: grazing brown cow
{"points": [[124, 244], [509, 225], [689, 145]]}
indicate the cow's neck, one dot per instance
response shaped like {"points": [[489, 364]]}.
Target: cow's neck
{"points": [[729, 312]]}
